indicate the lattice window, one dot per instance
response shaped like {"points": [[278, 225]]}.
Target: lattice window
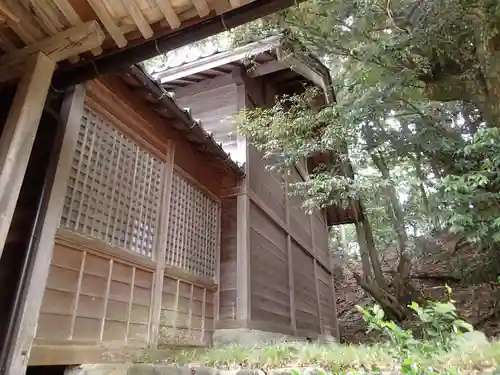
{"points": [[192, 229], [114, 188]]}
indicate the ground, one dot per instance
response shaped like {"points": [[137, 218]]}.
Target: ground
{"points": [[338, 358]]}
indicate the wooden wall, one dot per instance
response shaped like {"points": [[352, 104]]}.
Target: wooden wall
{"points": [[124, 272], [275, 267], [214, 102]]}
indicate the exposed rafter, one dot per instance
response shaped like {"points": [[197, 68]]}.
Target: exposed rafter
{"points": [[169, 12], [64, 45], [110, 25], [140, 21]]}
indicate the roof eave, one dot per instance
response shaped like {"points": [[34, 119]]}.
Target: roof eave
{"points": [[191, 125]]}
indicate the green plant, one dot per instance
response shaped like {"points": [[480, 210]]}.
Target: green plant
{"points": [[437, 322], [375, 319]]}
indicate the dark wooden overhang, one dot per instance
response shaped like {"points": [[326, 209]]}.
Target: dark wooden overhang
{"points": [[89, 38]]}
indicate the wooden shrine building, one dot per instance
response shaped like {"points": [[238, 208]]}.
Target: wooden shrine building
{"points": [[110, 194], [275, 271]]}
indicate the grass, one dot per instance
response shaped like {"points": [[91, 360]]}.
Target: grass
{"points": [[335, 357]]}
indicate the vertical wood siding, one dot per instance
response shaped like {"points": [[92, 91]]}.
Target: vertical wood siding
{"points": [[227, 294], [270, 298], [216, 108], [306, 303]]}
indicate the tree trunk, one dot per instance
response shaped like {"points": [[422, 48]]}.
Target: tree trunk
{"points": [[397, 217]]}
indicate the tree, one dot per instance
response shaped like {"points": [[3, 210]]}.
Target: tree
{"points": [[417, 86]]}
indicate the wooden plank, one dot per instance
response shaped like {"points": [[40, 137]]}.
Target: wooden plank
{"points": [[169, 12], [160, 247], [243, 305], [77, 295], [19, 134], [64, 45], [267, 68], [317, 295], [201, 7], [7, 15], [106, 299], [69, 12], [222, 6], [27, 30], [291, 284], [110, 25], [72, 111], [140, 21]]}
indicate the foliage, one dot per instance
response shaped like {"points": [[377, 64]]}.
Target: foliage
{"points": [[437, 324], [341, 359], [418, 92]]}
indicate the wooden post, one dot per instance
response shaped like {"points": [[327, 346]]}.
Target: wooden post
{"points": [[19, 134], [243, 290], [161, 244], [72, 111]]}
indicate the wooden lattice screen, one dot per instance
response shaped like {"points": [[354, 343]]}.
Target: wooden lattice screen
{"points": [[114, 190], [192, 230]]}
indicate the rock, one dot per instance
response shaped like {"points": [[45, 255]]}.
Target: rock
{"points": [[204, 371], [472, 339], [300, 370], [242, 372], [151, 369]]}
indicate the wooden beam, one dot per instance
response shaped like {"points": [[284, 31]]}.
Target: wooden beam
{"points": [[72, 111], [213, 62], [64, 45], [221, 6], [160, 246], [110, 25], [27, 30], [266, 68], [140, 21], [69, 12], [201, 7], [7, 15], [169, 12], [19, 133], [243, 290]]}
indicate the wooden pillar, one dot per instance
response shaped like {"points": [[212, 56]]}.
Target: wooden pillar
{"points": [[243, 288], [72, 111], [19, 134], [161, 243]]}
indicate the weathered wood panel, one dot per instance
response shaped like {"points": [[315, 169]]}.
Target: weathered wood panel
{"points": [[227, 293], [187, 313], [270, 300], [306, 303], [266, 184], [300, 221], [327, 302], [320, 236], [216, 108], [93, 297]]}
